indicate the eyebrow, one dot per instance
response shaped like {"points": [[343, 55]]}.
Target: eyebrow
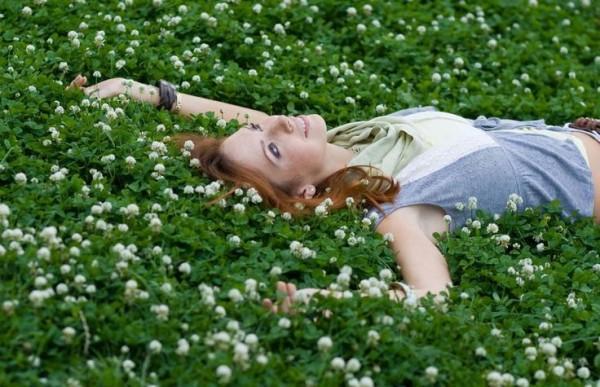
{"points": [[262, 145]]}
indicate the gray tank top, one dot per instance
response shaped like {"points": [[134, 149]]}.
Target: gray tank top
{"points": [[491, 166]]}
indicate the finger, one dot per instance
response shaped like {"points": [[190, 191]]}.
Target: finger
{"points": [[71, 85], [268, 304], [281, 286], [285, 306], [291, 288]]}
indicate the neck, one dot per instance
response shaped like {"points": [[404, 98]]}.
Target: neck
{"points": [[337, 158]]}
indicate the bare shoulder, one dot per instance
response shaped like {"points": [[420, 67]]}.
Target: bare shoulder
{"points": [[428, 218]]}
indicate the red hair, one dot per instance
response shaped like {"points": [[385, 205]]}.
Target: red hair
{"points": [[363, 183]]}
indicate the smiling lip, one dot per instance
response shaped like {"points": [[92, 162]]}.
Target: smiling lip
{"points": [[306, 126]]}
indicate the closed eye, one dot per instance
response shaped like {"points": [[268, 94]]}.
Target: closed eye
{"points": [[276, 152]]}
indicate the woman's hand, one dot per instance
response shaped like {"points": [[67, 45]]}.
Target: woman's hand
{"points": [[105, 89], [293, 296], [286, 306]]}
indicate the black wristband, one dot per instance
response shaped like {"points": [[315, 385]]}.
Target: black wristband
{"points": [[166, 95]]}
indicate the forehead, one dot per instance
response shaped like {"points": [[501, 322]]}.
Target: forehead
{"points": [[243, 147]]}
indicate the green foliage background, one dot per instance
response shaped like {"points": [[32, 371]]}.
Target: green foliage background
{"points": [[555, 43]]}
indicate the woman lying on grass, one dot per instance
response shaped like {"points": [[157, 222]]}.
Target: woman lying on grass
{"points": [[297, 165]]}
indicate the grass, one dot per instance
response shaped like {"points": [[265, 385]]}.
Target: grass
{"points": [[86, 270]]}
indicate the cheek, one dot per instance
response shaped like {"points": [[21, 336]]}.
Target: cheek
{"points": [[309, 156]]}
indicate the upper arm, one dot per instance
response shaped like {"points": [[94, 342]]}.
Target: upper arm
{"points": [[421, 263]]}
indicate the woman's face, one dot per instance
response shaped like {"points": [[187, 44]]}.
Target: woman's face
{"points": [[279, 148]]}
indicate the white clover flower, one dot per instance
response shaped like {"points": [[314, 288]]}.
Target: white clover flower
{"points": [[492, 228], [337, 363], [351, 11], [583, 372], [492, 43], [353, 365], [284, 323], [321, 210], [548, 349], [360, 28], [155, 346], [234, 240], [295, 246], [372, 337], [251, 340], [62, 288], [431, 372], [239, 208], [68, 334], [558, 370], [531, 353], [325, 343], [507, 379], [556, 340], [343, 279], [183, 347], [128, 365], [223, 373], [235, 295], [166, 288], [161, 311], [20, 178], [385, 274], [472, 203], [480, 351], [381, 108], [436, 78], [306, 253], [279, 29], [155, 224], [544, 325], [4, 211], [185, 268], [494, 378], [366, 381], [275, 271]]}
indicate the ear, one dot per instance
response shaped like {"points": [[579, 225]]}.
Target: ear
{"points": [[307, 191]]}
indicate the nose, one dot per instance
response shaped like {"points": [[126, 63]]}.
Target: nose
{"points": [[283, 123]]}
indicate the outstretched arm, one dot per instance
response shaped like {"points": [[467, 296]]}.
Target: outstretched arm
{"points": [[190, 104], [423, 266]]}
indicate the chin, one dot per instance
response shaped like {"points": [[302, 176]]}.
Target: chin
{"points": [[320, 119]]}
